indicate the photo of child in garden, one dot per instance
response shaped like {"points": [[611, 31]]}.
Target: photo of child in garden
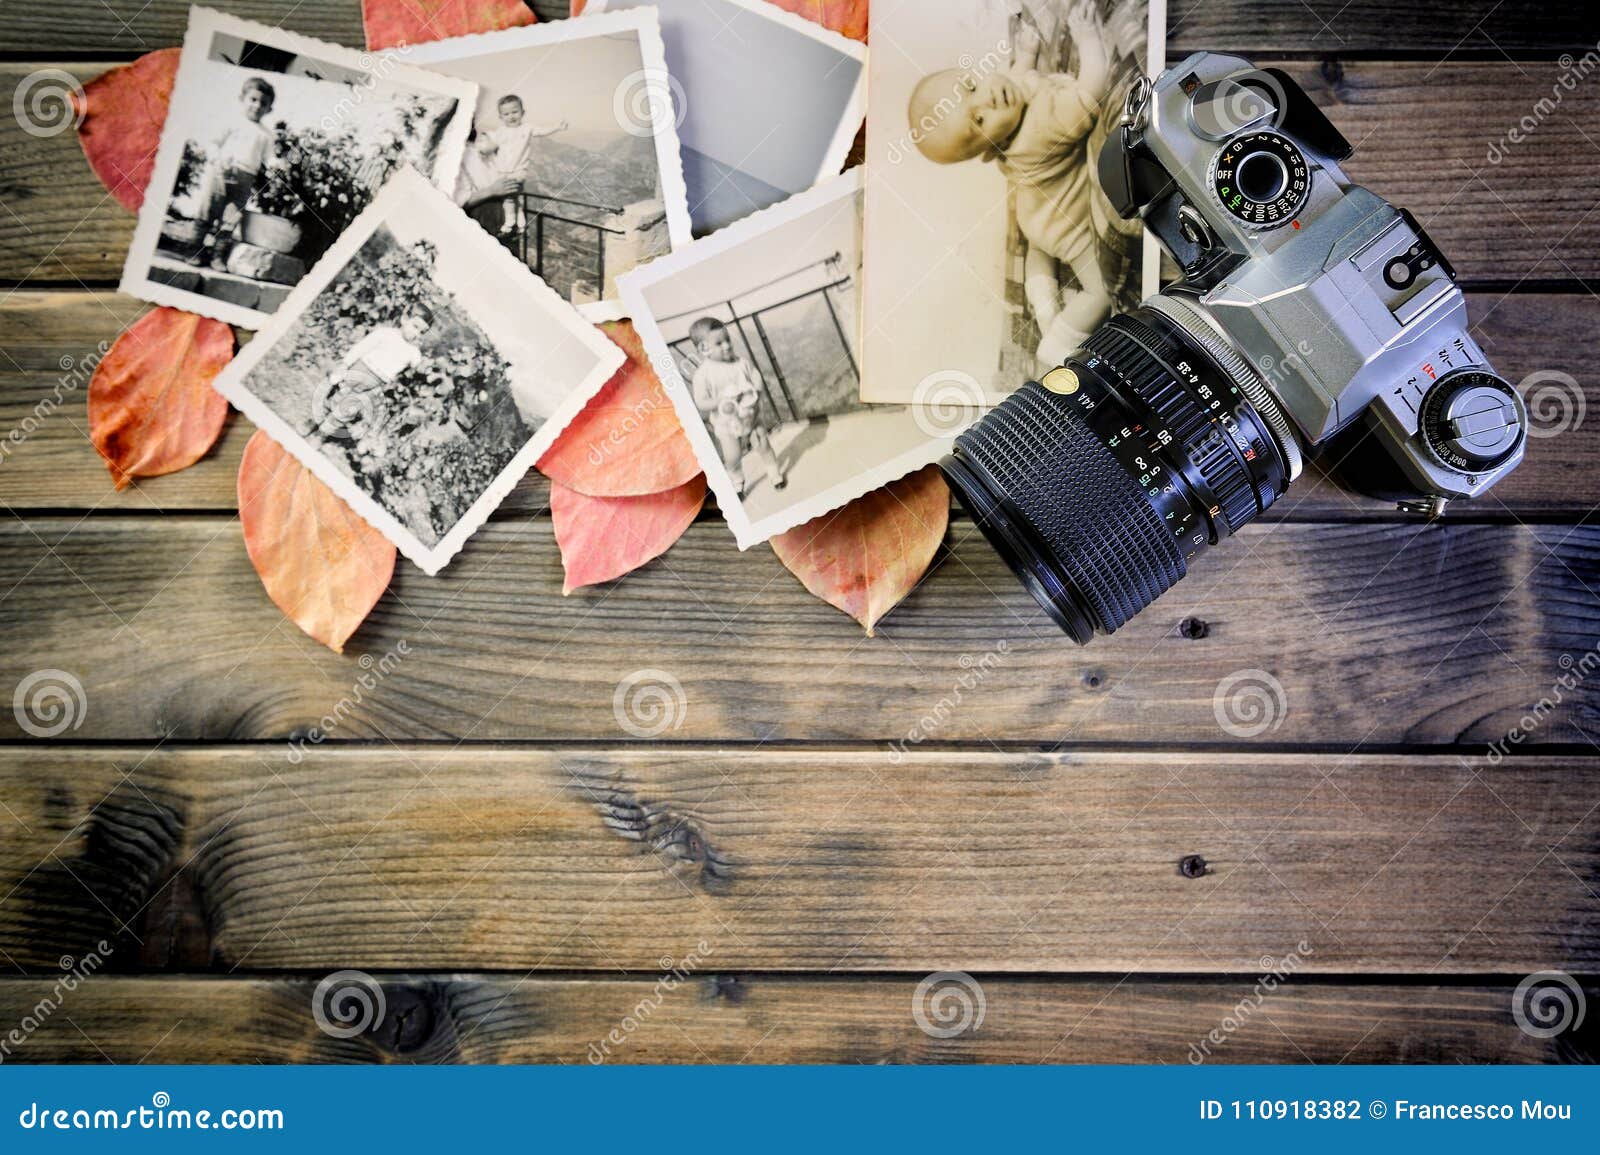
{"points": [[273, 144]]}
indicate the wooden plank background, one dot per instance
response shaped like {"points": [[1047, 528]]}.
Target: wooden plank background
{"points": [[834, 817]]}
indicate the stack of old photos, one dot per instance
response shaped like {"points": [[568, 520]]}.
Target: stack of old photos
{"points": [[424, 237]]}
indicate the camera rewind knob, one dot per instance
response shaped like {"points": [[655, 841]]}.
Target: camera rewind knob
{"points": [[1472, 421]]}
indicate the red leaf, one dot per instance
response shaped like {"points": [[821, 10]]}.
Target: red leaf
{"points": [[866, 556], [120, 115], [627, 442], [392, 23], [321, 563], [152, 409], [846, 16], [602, 538]]}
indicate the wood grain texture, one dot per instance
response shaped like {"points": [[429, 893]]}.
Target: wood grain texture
{"points": [[1520, 28], [1527, 218], [720, 1018], [608, 859], [52, 339], [1375, 634]]}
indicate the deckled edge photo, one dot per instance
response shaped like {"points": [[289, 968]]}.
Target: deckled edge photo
{"points": [[204, 24], [652, 95], [749, 531], [409, 191], [844, 134]]}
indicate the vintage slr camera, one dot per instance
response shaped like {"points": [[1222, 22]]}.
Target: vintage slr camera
{"points": [[1313, 317]]}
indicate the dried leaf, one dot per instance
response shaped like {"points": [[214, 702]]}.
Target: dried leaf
{"points": [[392, 23], [152, 409], [602, 538], [120, 116], [846, 16], [627, 442], [866, 556], [321, 563]]}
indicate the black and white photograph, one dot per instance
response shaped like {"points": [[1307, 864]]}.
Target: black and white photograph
{"points": [[573, 162], [273, 144], [420, 370], [992, 250], [754, 333], [769, 102]]}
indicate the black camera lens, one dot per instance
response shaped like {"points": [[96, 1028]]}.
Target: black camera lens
{"points": [[1100, 485]]}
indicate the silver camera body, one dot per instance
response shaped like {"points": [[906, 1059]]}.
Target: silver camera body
{"points": [[1336, 301]]}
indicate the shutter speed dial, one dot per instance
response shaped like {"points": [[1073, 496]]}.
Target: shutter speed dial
{"points": [[1472, 421]]}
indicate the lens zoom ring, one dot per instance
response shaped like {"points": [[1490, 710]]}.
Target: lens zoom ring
{"points": [[1207, 443], [1079, 500]]}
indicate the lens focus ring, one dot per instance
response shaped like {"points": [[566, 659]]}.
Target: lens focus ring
{"points": [[1092, 515]]}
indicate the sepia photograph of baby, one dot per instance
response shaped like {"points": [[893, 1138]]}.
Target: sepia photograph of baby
{"points": [[278, 144], [573, 162], [1004, 106]]}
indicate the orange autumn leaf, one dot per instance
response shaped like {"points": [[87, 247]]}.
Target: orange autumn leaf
{"points": [[602, 538], [866, 556], [323, 566], [120, 115], [627, 442], [393, 23], [846, 16], [152, 409]]}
